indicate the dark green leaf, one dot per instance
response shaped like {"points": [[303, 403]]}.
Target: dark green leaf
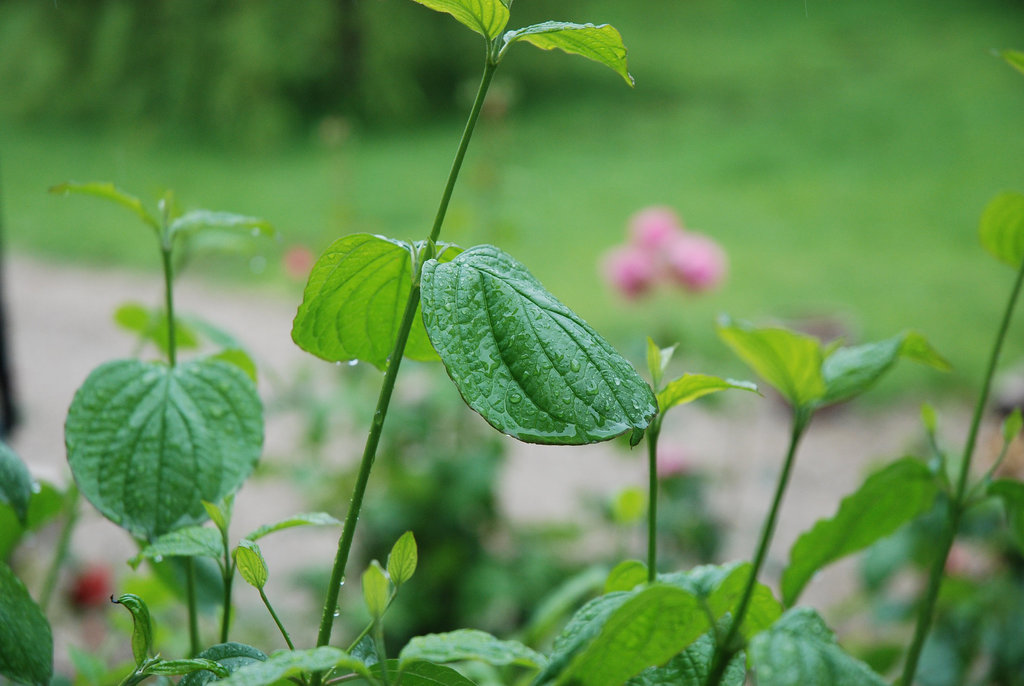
{"points": [[470, 644], [1015, 59], [150, 325], [189, 541], [626, 576], [1012, 494], [304, 519], [850, 371], [176, 667], [1002, 228], [529, 365], [230, 655], [250, 563], [486, 17], [15, 483], [887, 500], [402, 559], [424, 674], [148, 443], [692, 667], [109, 192], [603, 44], [690, 387], [26, 644], [375, 590], [202, 220], [790, 362], [355, 298], [142, 631], [288, 663], [799, 650]]}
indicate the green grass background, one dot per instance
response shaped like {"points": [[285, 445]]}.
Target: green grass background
{"points": [[840, 151]]}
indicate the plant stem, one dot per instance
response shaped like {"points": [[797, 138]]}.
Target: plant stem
{"points": [[277, 620], [388, 385], [193, 609], [165, 253], [225, 621], [63, 544], [653, 432], [957, 506], [725, 650]]}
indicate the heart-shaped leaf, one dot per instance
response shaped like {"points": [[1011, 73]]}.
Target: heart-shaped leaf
{"points": [[603, 43], [486, 17], [147, 443], [15, 483], [527, 363], [251, 564], [1002, 228], [26, 643], [355, 298]]}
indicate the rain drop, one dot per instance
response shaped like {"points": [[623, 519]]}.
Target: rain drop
{"points": [[515, 398], [618, 381], [36, 488], [574, 365], [158, 558], [352, 363]]}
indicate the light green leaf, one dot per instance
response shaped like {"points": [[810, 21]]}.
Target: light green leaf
{"points": [[720, 588], [304, 519], [402, 559], [15, 483], [528, 364], [849, 371], [26, 643], [561, 601], [189, 541], [231, 655], [375, 590], [203, 220], [220, 514], [1014, 58], [929, 418], [486, 17], [1012, 425], [150, 325], [470, 644], [176, 667], [692, 667], [1012, 494], [147, 443], [109, 192], [142, 631], [603, 44], [888, 499], [790, 362], [800, 649], [690, 387], [626, 576], [289, 663], [657, 361], [1002, 228], [355, 298], [251, 564], [240, 359]]}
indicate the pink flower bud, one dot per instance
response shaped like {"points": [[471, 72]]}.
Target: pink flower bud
{"points": [[671, 461], [630, 270], [696, 261], [298, 260], [654, 228]]}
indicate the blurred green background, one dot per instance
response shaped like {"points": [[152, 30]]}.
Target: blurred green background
{"points": [[841, 151]]}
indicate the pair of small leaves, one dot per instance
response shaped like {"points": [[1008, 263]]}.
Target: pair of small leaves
{"points": [[809, 375], [377, 583], [26, 642]]}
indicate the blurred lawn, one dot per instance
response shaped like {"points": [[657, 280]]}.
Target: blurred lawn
{"points": [[841, 152]]}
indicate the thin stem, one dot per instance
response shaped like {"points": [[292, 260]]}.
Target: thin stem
{"points": [[388, 385], [225, 620], [193, 608], [725, 650], [277, 620], [653, 432], [172, 348], [957, 506], [378, 640], [63, 545]]}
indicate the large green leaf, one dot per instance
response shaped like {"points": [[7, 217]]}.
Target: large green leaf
{"points": [[108, 191], [528, 364], [355, 298], [188, 541], [887, 500], [690, 387], [720, 588], [470, 644], [486, 17], [603, 44], [15, 483], [850, 371], [147, 443], [289, 663], [692, 667], [1002, 228], [800, 649], [230, 655], [790, 362], [26, 644]]}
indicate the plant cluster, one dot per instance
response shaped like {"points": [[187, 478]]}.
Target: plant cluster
{"points": [[161, 447]]}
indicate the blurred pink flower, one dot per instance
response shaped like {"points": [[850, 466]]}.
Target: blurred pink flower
{"points": [[654, 228], [696, 261], [671, 461], [630, 270], [298, 260]]}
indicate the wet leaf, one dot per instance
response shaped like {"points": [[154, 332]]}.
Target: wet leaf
{"points": [[692, 667], [470, 644], [26, 643], [230, 655], [603, 43], [189, 541]]}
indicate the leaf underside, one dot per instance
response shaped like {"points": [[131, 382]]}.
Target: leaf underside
{"points": [[602, 44]]}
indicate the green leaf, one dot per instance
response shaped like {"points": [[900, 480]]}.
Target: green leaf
{"points": [[626, 576], [1012, 494], [690, 387], [720, 588], [231, 655], [43, 505], [15, 483], [375, 590], [888, 499], [147, 443], [402, 559], [251, 564], [150, 325], [355, 298], [204, 220], [240, 359], [603, 44], [657, 361], [26, 644], [220, 514], [528, 364], [304, 519], [1012, 425], [692, 667], [849, 371], [561, 601], [176, 667], [470, 644], [790, 362], [142, 631], [486, 17], [109, 192], [1014, 58], [423, 674], [289, 663], [800, 649], [1002, 228], [189, 541]]}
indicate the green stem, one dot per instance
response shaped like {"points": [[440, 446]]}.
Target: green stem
{"points": [[63, 545], [277, 620], [726, 649], [653, 432], [166, 249], [193, 606], [957, 506], [388, 385], [225, 620]]}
